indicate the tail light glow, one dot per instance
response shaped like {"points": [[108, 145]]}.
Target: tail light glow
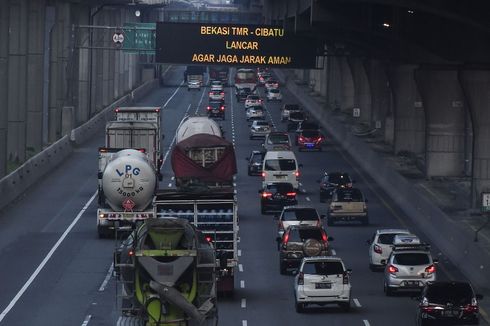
{"points": [[301, 278], [430, 269], [392, 269], [209, 108], [377, 249], [266, 194], [291, 194]]}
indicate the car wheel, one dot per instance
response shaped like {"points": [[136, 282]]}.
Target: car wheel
{"points": [[345, 306], [300, 307], [388, 291], [282, 268]]}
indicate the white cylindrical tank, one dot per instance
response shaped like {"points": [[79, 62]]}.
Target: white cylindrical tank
{"points": [[129, 181], [197, 125]]}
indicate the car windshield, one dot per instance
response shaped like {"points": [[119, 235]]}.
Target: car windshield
{"points": [[386, 238], [338, 178], [349, 195], [300, 214], [323, 268], [297, 115], [411, 259], [457, 293], [280, 165], [274, 90], [278, 139], [256, 158], [310, 133], [291, 107]]}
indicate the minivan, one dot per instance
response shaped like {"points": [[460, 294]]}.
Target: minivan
{"points": [[280, 166]]}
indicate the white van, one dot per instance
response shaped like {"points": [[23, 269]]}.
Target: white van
{"points": [[280, 166]]}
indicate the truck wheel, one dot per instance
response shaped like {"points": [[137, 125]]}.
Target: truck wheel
{"points": [[130, 321]]}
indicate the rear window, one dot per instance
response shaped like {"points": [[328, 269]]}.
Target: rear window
{"points": [[301, 214], [310, 133], [262, 123], [253, 97], [280, 187], [454, 293], [278, 139], [411, 259], [297, 115], [280, 165], [339, 178], [349, 195], [323, 268], [301, 235], [257, 158], [386, 238]]}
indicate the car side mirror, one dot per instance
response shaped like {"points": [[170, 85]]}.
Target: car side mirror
{"points": [[479, 296], [322, 216], [300, 165]]}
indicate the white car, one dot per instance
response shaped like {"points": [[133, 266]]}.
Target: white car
{"points": [[252, 100], [322, 280], [381, 245], [255, 113], [216, 85], [259, 129], [271, 83], [274, 94]]}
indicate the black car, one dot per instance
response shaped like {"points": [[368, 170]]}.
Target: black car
{"points": [[448, 302], [332, 180], [295, 118], [242, 93], [300, 241], [216, 109], [274, 196], [255, 163]]}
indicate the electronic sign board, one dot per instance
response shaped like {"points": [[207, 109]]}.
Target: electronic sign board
{"points": [[237, 45]]}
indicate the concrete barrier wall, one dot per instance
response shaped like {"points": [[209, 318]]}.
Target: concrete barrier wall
{"points": [[15, 183], [455, 242]]}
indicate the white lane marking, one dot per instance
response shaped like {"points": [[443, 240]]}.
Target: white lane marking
{"points": [[366, 322], [333, 252], [171, 96], [244, 303], [239, 252], [244, 323], [200, 101], [357, 303], [303, 191], [107, 278], [173, 139], [308, 199], [45, 260], [170, 185], [242, 284], [86, 320], [240, 267], [172, 178], [300, 184]]}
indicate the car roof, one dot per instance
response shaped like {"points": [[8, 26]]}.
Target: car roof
{"points": [[298, 207], [322, 258], [390, 231], [280, 154], [305, 226]]}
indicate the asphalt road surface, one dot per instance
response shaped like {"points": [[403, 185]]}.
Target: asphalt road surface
{"points": [[55, 270]]}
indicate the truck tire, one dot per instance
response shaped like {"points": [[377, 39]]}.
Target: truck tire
{"points": [[130, 321]]}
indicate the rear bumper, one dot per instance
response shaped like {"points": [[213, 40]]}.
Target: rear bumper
{"points": [[339, 297], [407, 283]]}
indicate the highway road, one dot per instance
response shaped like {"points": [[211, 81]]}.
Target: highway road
{"points": [[55, 271]]}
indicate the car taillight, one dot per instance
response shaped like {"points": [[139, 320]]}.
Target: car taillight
{"points": [[427, 309], [301, 278], [471, 308], [222, 108], [364, 207], [222, 94], [377, 249], [285, 239], [209, 108], [345, 279], [210, 93], [266, 194], [296, 174], [349, 185], [430, 269], [301, 139], [392, 269], [324, 238], [291, 194], [263, 175]]}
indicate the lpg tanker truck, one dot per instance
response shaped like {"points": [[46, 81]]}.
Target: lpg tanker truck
{"points": [[165, 272], [126, 186]]}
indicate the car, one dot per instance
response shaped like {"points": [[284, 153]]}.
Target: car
{"points": [[347, 204], [305, 125], [409, 267], [252, 100], [287, 109], [216, 96], [294, 119], [255, 163], [216, 109], [216, 85], [331, 181], [299, 241], [274, 196], [448, 303], [296, 215], [194, 84], [271, 83], [277, 141], [242, 93], [259, 129], [380, 246], [321, 281], [255, 113], [263, 77], [281, 166], [310, 140], [274, 94]]}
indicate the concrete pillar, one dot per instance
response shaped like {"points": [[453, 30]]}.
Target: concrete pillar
{"points": [[111, 62], [82, 58], [35, 79], [334, 82], [347, 100], [4, 63], [409, 114], [476, 86], [445, 115], [362, 89], [17, 82], [97, 67], [380, 93]]}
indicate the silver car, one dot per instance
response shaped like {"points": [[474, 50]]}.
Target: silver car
{"points": [[409, 267], [277, 141], [259, 129], [297, 215]]}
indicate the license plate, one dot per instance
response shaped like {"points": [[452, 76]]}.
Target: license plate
{"points": [[411, 283], [451, 313], [215, 110], [323, 285], [309, 145], [281, 176]]}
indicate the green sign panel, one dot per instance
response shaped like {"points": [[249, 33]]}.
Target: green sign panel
{"points": [[139, 37]]}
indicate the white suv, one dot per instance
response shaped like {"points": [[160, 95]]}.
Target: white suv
{"points": [[322, 280], [380, 246]]}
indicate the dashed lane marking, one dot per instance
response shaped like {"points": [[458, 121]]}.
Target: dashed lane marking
{"points": [[244, 303], [333, 252], [173, 139], [170, 185], [244, 323], [240, 268], [242, 284], [357, 303], [239, 252], [107, 278], [172, 178], [308, 199], [86, 320], [170, 98], [366, 322]]}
